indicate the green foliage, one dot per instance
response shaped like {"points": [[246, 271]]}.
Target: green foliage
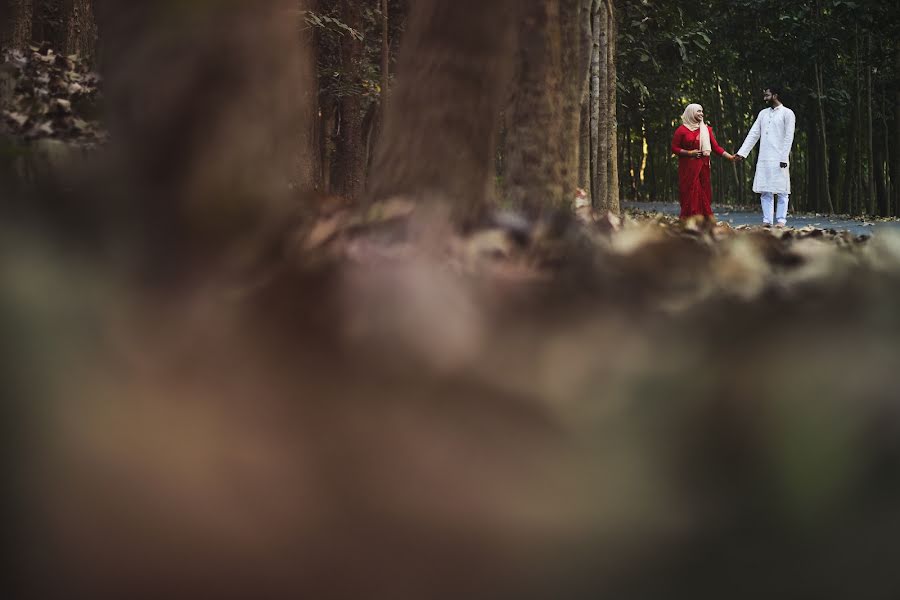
{"points": [[673, 54]]}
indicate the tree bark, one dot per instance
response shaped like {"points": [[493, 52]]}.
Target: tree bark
{"points": [[68, 26], [895, 174], [537, 127], [613, 120], [81, 29], [15, 23], [440, 126], [825, 157], [584, 151], [600, 108], [307, 172], [206, 185], [49, 22], [574, 66], [350, 149], [385, 53], [871, 135]]}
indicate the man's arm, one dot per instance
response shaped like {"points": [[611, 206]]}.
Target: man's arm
{"points": [[752, 138], [790, 121]]}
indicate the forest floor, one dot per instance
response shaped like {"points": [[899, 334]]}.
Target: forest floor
{"points": [[738, 216]]}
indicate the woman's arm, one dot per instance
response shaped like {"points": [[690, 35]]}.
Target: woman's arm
{"points": [[717, 148], [676, 142]]}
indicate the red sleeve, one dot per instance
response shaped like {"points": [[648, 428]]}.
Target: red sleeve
{"points": [[715, 145], [677, 141]]}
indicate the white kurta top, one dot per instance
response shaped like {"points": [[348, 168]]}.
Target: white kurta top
{"points": [[774, 129]]}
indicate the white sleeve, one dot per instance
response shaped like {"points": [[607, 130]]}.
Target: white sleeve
{"points": [[752, 138], [790, 121]]}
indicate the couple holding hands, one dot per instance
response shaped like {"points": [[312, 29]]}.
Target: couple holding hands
{"points": [[694, 143]]}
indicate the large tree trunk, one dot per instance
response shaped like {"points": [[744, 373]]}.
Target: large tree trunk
{"points": [[307, 171], [575, 63], [15, 23], [350, 146], [202, 103], [825, 157], [440, 127], [536, 122]]}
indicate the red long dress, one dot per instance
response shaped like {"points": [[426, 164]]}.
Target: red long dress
{"points": [[694, 185]]}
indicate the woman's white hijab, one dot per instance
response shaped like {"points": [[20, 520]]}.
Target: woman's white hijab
{"points": [[693, 122]]}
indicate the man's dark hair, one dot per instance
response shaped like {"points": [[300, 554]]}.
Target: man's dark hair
{"points": [[775, 90]]}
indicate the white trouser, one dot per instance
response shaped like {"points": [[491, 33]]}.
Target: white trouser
{"points": [[768, 203]]}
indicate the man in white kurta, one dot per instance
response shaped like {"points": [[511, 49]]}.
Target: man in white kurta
{"points": [[774, 129]]}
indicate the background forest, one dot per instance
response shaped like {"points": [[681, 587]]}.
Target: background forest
{"points": [[837, 60]]}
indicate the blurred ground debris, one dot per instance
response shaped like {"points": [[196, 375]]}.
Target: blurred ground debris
{"points": [[47, 95]]}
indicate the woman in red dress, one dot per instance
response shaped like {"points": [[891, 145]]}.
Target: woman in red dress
{"points": [[693, 143]]}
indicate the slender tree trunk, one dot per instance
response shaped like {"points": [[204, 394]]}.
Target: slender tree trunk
{"points": [[584, 155], [587, 49], [378, 121], [889, 182], [307, 173], [812, 160], [441, 121], [871, 135], [385, 53], [612, 29], [15, 23], [600, 112], [81, 29], [895, 174], [350, 144], [824, 139]]}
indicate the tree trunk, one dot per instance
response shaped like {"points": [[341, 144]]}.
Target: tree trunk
{"points": [[587, 49], [205, 187], [895, 174], [574, 68], [385, 54], [68, 26], [888, 183], [307, 173], [613, 121], [537, 126], [49, 23], [81, 29], [825, 157], [15, 23], [584, 154], [871, 136], [440, 127], [600, 108], [350, 149]]}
